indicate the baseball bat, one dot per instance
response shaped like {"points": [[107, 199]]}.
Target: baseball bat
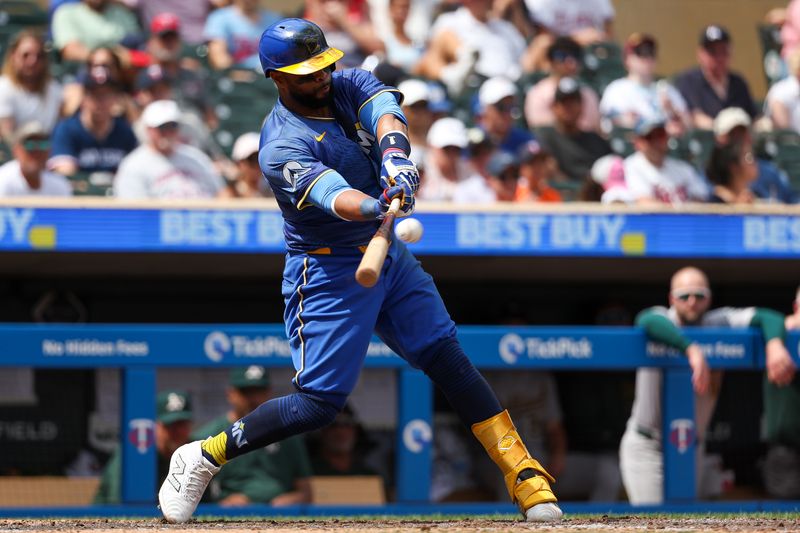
{"points": [[369, 270]]}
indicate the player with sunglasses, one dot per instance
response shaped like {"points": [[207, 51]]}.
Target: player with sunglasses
{"points": [[641, 460]]}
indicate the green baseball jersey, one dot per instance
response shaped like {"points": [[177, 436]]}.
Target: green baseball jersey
{"points": [[261, 475], [781, 413]]}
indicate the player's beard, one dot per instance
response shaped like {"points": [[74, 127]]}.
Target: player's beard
{"points": [[315, 102]]}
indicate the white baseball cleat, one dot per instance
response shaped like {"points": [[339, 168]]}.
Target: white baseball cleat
{"points": [[544, 512], [188, 477]]}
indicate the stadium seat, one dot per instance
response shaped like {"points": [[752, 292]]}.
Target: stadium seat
{"points": [[700, 144], [22, 13], [773, 66], [92, 183], [242, 99], [602, 64], [621, 141]]}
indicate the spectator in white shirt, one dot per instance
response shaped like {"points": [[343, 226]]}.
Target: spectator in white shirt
{"points": [[25, 175], [444, 164], [782, 105], [27, 92], [164, 167], [655, 178], [638, 96]]}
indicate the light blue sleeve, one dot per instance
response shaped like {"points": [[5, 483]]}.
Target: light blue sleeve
{"points": [[215, 27], [326, 189], [384, 103]]}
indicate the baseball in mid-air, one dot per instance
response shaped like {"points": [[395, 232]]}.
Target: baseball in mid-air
{"points": [[408, 230]]}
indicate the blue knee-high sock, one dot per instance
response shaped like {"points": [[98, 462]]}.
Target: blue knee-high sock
{"points": [[465, 388], [277, 419]]}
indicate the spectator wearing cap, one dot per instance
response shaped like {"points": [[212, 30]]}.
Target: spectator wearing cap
{"points": [[25, 175], [711, 87], [82, 26], [638, 96], [444, 164], [471, 38], [497, 101], [655, 178], [537, 169], [164, 167], [249, 182], [186, 79], [93, 139], [609, 173], [574, 149], [279, 473], [173, 426], [498, 185], [584, 21], [233, 32], [564, 59], [192, 15], [27, 91], [416, 108], [733, 125], [155, 83]]}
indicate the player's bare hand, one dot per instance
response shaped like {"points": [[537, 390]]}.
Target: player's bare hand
{"points": [[780, 367], [701, 373], [399, 170]]}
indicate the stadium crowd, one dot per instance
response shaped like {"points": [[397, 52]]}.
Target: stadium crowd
{"points": [[507, 101]]}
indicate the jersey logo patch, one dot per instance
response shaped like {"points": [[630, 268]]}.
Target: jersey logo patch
{"points": [[293, 171], [320, 136]]}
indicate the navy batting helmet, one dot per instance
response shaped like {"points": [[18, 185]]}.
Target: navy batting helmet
{"points": [[296, 46]]}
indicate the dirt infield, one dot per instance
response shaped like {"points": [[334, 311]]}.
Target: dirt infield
{"points": [[738, 523]]}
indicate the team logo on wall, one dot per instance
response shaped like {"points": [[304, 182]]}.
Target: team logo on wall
{"points": [[216, 345], [417, 435], [682, 434], [141, 434], [511, 347]]}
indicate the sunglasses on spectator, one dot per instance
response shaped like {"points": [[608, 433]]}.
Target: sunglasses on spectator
{"points": [[561, 56], [168, 126], [34, 145], [252, 158], [505, 107], [645, 50], [699, 294]]}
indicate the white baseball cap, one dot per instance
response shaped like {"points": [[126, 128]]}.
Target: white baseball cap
{"points": [[729, 118], [448, 131], [245, 146], [161, 112], [495, 89], [414, 91]]}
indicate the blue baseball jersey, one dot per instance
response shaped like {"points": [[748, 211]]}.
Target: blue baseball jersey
{"points": [[72, 140], [296, 151], [329, 317]]}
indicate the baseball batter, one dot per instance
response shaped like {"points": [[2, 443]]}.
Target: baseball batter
{"points": [[641, 460], [325, 150]]}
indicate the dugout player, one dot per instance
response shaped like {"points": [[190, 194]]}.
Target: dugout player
{"points": [[641, 459], [324, 150]]}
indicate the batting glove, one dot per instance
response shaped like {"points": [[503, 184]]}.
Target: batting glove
{"points": [[397, 169], [386, 197]]}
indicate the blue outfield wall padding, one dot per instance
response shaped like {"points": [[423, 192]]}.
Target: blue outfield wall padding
{"points": [[206, 511]]}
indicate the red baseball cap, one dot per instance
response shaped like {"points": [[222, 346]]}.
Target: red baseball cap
{"points": [[164, 23]]}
